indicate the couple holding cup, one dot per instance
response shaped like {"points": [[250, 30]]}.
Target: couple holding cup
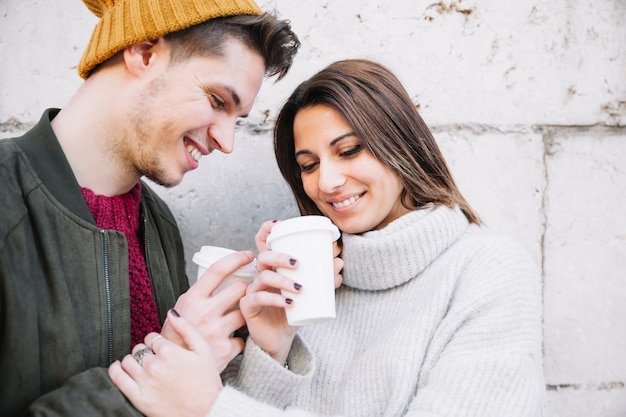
{"points": [[434, 316], [309, 239]]}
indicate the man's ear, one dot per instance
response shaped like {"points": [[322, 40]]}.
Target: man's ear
{"points": [[141, 56]]}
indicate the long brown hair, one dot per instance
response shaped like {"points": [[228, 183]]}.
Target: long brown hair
{"points": [[380, 111]]}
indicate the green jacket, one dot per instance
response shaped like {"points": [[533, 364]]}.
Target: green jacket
{"points": [[64, 296]]}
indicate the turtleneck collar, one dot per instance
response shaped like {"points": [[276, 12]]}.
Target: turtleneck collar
{"points": [[382, 259]]}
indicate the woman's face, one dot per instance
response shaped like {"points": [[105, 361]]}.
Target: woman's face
{"points": [[341, 176]]}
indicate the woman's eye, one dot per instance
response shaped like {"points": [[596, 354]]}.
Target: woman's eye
{"points": [[307, 167], [352, 151]]}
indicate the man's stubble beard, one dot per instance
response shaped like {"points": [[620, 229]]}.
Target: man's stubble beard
{"points": [[136, 149]]}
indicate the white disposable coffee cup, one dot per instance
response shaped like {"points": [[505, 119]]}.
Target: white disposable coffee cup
{"points": [[309, 240], [208, 255]]}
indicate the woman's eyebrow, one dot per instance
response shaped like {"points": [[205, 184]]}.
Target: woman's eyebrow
{"points": [[332, 143], [337, 139]]}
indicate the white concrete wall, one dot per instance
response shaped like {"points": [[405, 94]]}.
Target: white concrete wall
{"points": [[527, 99]]}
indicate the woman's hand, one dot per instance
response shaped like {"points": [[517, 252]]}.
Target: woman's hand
{"points": [[264, 306], [215, 316], [261, 243], [173, 381], [337, 264]]}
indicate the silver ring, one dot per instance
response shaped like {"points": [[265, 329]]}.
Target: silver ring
{"points": [[141, 353]]}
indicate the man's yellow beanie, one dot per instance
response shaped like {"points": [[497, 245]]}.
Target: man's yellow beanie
{"points": [[128, 22]]}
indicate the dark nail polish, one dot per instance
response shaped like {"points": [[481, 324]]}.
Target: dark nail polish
{"points": [[174, 312], [274, 221], [297, 286], [292, 261], [288, 300]]}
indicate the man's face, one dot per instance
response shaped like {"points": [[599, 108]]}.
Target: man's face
{"points": [[189, 110]]}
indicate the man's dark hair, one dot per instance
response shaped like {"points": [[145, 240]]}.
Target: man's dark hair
{"points": [[271, 37]]}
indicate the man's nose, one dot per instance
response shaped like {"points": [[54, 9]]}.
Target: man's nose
{"points": [[222, 136]]}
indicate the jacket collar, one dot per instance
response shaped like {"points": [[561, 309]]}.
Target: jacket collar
{"points": [[47, 158]]}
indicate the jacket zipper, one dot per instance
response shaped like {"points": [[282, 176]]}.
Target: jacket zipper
{"points": [[107, 293], [146, 248]]}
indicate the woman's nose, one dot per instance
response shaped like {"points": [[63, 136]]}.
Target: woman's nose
{"points": [[331, 177]]}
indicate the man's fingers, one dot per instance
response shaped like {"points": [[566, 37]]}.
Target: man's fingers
{"points": [[190, 303], [190, 335], [216, 273]]}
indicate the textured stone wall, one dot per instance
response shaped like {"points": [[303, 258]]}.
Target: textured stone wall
{"points": [[527, 99]]}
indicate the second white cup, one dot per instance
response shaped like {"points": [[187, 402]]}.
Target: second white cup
{"points": [[309, 240], [208, 255]]}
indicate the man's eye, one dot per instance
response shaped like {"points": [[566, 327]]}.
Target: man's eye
{"points": [[217, 102]]}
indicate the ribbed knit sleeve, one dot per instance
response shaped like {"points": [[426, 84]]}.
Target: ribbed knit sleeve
{"points": [[262, 378]]}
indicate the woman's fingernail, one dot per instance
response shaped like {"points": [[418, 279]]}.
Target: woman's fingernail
{"points": [[288, 300], [274, 221], [174, 312], [297, 286], [292, 261]]}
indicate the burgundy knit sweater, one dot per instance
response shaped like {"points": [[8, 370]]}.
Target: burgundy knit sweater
{"points": [[122, 213]]}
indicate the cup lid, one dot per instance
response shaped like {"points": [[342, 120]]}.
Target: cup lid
{"points": [[208, 255], [302, 224]]}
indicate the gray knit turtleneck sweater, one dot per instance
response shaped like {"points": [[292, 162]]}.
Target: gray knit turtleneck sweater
{"points": [[434, 318]]}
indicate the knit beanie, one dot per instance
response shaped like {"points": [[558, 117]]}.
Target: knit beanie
{"points": [[127, 22]]}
